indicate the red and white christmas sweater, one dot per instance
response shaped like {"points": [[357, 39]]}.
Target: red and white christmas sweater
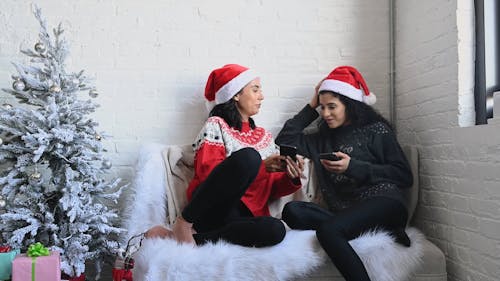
{"points": [[217, 140]]}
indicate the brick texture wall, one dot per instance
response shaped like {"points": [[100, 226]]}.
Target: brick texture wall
{"points": [[459, 207], [151, 59]]}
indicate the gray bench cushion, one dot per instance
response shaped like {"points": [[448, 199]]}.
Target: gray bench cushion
{"points": [[432, 268]]}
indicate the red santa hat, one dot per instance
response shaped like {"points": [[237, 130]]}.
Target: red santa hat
{"points": [[347, 81], [225, 82]]}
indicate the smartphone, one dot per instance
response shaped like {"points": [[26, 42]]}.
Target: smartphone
{"points": [[329, 156], [288, 150]]}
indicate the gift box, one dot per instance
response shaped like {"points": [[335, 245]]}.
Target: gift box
{"points": [[121, 274], [42, 268], [122, 269], [5, 249], [6, 257]]}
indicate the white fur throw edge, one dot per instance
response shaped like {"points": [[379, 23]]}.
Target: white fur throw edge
{"points": [[297, 255]]}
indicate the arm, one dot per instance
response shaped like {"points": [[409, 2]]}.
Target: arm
{"points": [[210, 151], [207, 157], [283, 185], [392, 164], [292, 132]]}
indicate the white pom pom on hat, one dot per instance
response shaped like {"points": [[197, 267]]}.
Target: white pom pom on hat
{"points": [[225, 82], [347, 81]]}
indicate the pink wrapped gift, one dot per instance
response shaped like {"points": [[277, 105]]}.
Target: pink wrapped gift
{"points": [[46, 268]]}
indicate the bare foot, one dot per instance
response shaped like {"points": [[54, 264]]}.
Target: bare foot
{"points": [[159, 231], [183, 231]]}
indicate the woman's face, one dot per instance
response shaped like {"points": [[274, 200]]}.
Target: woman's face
{"points": [[332, 110], [249, 99]]}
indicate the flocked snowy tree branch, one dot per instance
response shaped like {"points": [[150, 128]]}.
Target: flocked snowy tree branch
{"points": [[53, 168]]}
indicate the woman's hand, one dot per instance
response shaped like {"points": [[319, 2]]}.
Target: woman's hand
{"points": [[280, 163], [337, 167], [315, 99], [273, 163], [294, 169]]}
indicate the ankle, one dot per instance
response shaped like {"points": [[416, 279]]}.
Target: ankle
{"points": [[184, 222], [401, 237]]}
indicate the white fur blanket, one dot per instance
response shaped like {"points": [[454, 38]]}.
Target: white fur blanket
{"points": [[297, 255]]}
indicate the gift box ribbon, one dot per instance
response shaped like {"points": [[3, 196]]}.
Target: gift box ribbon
{"points": [[34, 251]]}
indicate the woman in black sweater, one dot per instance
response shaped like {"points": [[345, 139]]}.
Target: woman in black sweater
{"points": [[362, 187]]}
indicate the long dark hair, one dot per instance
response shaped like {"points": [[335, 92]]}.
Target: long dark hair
{"points": [[229, 112], [358, 113]]}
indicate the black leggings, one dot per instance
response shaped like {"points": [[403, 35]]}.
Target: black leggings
{"points": [[217, 212], [334, 230]]}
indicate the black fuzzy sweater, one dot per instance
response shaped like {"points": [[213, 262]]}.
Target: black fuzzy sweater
{"points": [[378, 166]]}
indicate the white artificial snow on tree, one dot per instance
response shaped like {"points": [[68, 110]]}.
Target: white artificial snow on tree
{"points": [[52, 164]]}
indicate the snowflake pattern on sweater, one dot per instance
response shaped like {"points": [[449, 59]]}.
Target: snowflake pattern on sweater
{"points": [[217, 132], [217, 141]]}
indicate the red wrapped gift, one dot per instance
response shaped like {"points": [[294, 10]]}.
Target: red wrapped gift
{"points": [[5, 249], [120, 274]]}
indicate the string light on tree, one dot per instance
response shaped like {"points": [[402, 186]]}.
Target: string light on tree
{"points": [[98, 137], [40, 48], [2, 202], [7, 106], [106, 164], [35, 179], [19, 85], [93, 93], [55, 89]]}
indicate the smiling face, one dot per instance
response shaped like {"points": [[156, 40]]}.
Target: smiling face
{"points": [[249, 99], [332, 110]]}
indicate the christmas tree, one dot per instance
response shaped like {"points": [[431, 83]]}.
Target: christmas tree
{"points": [[52, 164]]}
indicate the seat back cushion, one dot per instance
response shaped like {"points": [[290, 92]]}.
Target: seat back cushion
{"points": [[411, 194]]}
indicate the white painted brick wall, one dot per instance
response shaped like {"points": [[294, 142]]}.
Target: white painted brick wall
{"points": [[151, 58], [459, 206], [151, 61]]}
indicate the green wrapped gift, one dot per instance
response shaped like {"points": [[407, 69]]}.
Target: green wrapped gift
{"points": [[6, 263]]}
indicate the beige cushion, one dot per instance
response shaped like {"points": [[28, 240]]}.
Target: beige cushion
{"points": [[411, 194]]}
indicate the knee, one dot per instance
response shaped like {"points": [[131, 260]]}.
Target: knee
{"points": [[329, 230], [291, 214], [248, 158], [278, 233], [275, 232]]}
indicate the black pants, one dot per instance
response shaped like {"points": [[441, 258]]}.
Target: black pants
{"points": [[334, 230], [217, 212]]}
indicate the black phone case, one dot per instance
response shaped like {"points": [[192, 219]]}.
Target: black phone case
{"points": [[329, 156], [288, 150]]}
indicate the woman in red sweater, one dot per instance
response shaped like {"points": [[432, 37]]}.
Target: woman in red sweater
{"points": [[237, 169]]}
